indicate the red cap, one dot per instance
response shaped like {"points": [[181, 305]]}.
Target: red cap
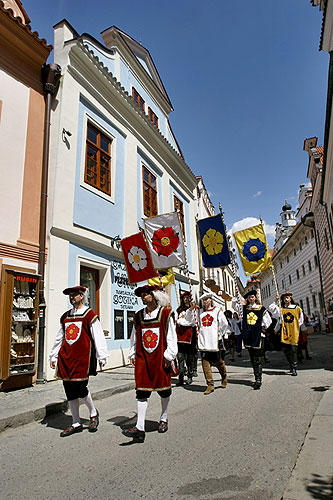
{"points": [[78, 289]]}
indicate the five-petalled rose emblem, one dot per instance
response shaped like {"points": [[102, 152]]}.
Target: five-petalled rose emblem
{"points": [[207, 320], [252, 318], [149, 339], [72, 333], [165, 241], [137, 258]]}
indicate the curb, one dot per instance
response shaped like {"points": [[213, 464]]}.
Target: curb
{"points": [[38, 414]]}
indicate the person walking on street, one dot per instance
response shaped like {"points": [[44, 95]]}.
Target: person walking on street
{"points": [[238, 334], [213, 329], [79, 344], [256, 320], [153, 347], [187, 338], [290, 327]]}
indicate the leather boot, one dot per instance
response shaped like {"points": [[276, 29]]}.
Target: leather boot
{"points": [[223, 371], [257, 368], [208, 376]]}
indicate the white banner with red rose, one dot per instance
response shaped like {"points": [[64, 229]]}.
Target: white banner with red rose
{"points": [[165, 239]]}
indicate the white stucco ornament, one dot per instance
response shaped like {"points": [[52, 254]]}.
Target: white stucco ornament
{"points": [[137, 258]]}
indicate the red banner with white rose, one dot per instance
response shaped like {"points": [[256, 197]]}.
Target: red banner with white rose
{"points": [[137, 258], [165, 240]]}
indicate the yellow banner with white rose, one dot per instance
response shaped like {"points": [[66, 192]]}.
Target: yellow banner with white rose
{"points": [[214, 243]]}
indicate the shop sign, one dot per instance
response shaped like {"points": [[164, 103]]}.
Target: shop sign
{"points": [[123, 292]]}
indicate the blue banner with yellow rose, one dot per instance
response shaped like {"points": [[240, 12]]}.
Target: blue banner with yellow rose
{"points": [[214, 243], [253, 249]]}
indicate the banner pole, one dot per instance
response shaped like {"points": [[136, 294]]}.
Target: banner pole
{"points": [[233, 267]]}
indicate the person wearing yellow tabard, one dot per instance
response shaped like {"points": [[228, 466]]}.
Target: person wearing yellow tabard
{"points": [[292, 320]]}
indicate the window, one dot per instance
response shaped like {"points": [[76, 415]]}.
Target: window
{"points": [[289, 279], [303, 269], [300, 246], [297, 274], [152, 117], [149, 193], [280, 265], [130, 322], [98, 160], [294, 252], [315, 260], [312, 234], [179, 207], [138, 99], [306, 240], [118, 324], [308, 306], [314, 302], [288, 259], [269, 290], [301, 304], [309, 265], [89, 278]]}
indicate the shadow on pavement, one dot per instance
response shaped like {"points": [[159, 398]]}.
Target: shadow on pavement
{"points": [[320, 488], [60, 421]]}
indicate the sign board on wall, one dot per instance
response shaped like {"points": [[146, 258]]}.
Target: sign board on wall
{"points": [[123, 296]]}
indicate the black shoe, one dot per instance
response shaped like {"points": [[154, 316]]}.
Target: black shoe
{"points": [[257, 386], [189, 381], [94, 423], [195, 373], [293, 372], [162, 427], [135, 434], [71, 430]]}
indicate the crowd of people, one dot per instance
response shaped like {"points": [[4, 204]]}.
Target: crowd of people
{"points": [[166, 344]]}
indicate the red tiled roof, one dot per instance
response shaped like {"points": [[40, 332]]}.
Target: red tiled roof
{"points": [[320, 150], [26, 27]]}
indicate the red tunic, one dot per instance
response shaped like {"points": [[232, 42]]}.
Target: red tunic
{"points": [[151, 342], [184, 333], [76, 358]]}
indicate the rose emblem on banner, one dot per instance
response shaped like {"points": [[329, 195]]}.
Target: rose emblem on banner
{"points": [[288, 317], [207, 320], [254, 249], [251, 318], [137, 258], [213, 242], [72, 332], [149, 339], [165, 241]]}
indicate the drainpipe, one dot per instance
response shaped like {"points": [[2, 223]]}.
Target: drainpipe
{"points": [[51, 74]]}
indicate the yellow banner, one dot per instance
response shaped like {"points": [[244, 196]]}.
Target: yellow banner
{"points": [[253, 249], [167, 279]]}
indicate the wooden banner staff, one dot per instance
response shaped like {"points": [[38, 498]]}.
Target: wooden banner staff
{"points": [[233, 270], [274, 279], [158, 274], [189, 282]]}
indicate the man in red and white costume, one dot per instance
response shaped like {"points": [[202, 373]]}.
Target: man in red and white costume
{"points": [[79, 343], [153, 348]]}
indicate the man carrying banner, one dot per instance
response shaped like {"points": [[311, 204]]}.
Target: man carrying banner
{"points": [[256, 320], [213, 327], [290, 327], [187, 339], [153, 348]]}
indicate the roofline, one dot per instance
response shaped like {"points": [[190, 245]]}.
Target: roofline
{"points": [[122, 33]]}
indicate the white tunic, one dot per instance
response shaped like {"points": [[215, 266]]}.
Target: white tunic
{"points": [[213, 327]]}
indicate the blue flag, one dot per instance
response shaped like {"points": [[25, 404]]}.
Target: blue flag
{"points": [[214, 243]]}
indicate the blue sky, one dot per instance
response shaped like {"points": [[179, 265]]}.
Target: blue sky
{"points": [[246, 80]]}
